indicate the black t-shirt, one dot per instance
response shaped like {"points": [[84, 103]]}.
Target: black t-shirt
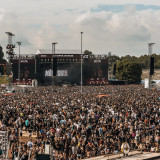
{"points": [[25, 157], [78, 150]]}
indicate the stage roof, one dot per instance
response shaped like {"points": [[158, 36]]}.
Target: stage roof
{"points": [[49, 51]]}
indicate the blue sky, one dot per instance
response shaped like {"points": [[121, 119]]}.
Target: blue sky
{"points": [[118, 26], [122, 8]]}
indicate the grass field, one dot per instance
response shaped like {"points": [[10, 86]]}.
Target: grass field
{"points": [[4, 80]]}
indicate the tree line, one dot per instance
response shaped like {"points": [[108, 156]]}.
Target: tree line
{"points": [[143, 60], [130, 67]]}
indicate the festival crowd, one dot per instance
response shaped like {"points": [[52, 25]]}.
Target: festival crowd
{"points": [[77, 125]]}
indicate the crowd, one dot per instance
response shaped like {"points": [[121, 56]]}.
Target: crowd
{"points": [[81, 125]]}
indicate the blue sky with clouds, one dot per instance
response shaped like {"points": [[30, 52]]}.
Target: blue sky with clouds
{"points": [[117, 26], [122, 8]]}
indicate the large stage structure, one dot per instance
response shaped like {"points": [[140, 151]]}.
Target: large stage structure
{"points": [[62, 67]]}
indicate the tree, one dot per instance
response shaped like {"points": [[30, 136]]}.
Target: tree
{"points": [[130, 58], [113, 58], [87, 52], [2, 55], [128, 70]]}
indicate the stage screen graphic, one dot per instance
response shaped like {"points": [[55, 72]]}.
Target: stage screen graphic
{"points": [[48, 73], [62, 73], [95, 70], [27, 71]]}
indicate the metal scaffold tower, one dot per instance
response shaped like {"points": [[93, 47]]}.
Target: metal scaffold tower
{"points": [[10, 46], [10, 54]]}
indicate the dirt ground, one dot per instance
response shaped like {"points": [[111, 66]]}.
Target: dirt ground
{"points": [[156, 76]]}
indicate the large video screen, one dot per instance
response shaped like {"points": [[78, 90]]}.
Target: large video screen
{"points": [[27, 70], [99, 70], [95, 70]]}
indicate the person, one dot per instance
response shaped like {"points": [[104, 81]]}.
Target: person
{"points": [[30, 144], [26, 124], [85, 125], [24, 156], [1, 151]]}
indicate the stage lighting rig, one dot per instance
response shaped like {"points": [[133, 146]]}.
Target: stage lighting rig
{"points": [[10, 46]]}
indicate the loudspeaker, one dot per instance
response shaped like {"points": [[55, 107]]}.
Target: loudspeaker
{"points": [[114, 69], [151, 65], [54, 66], [37, 69]]}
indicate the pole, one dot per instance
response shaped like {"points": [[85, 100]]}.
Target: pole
{"points": [[19, 65], [53, 52], [81, 64], [54, 49], [52, 59]]}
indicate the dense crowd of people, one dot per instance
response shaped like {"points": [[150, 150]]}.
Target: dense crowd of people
{"points": [[77, 125]]}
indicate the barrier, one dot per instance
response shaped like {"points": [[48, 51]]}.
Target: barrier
{"points": [[4, 144]]}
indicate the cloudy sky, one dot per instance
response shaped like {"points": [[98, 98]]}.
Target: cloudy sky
{"points": [[118, 26]]}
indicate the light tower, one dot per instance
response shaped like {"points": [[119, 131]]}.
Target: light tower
{"points": [[109, 65], [19, 44], [10, 46], [81, 64], [10, 53], [150, 48]]}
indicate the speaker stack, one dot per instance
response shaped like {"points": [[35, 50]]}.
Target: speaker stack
{"points": [[151, 65], [114, 69], [54, 66]]}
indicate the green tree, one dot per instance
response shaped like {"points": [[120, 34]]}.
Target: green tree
{"points": [[87, 52], [144, 60], [112, 59], [130, 58], [128, 70]]}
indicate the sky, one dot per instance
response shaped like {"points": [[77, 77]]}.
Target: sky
{"points": [[122, 27]]}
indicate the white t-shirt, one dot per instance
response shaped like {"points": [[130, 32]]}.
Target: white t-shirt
{"points": [[30, 144]]}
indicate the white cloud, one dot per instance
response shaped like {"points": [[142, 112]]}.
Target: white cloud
{"points": [[38, 23], [122, 33], [2, 12]]}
